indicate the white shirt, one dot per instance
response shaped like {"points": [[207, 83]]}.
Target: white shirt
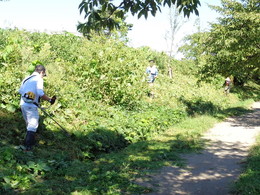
{"points": [[33, 84], [154, 70]]}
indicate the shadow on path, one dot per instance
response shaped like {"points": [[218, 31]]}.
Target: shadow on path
{"points": [[247, 121], [214, 170]]}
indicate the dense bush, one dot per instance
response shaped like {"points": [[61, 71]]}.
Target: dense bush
{"points": [[101, 84]]}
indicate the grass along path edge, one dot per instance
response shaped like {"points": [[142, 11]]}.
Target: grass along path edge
{"points": [[213, 169]]}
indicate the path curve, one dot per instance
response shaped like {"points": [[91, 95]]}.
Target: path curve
{"points": [[212, 171]]}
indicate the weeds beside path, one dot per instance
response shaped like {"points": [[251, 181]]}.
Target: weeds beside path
{"points": [[214, 170]]}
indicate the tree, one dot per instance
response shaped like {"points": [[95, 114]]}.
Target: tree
{"points": [[232, 45], [176, 22], [97, 20], [86, 29], [194, 49]]}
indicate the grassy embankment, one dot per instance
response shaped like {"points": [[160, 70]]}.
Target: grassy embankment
{"points": [[57, 168]]}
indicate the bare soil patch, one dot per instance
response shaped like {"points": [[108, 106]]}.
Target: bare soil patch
{"points": [[214, 170]]}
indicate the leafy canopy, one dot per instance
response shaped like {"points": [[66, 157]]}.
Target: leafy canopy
{"points": [[105, 14], [232, 45]]}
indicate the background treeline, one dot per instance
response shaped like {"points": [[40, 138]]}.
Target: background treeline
{"points": [[231, 46]]}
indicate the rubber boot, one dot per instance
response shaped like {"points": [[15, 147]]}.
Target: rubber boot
{"points": [[29, 141]]}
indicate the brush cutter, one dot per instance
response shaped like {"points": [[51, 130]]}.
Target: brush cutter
{"points": [[44, 111]]}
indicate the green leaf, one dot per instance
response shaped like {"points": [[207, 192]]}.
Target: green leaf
{"points": [[11, 108]]}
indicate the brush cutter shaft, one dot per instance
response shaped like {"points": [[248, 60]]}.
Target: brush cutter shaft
{"points": [[52, 119], [63, 129]]}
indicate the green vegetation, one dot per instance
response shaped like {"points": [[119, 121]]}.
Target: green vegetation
{"points": [[104, 16], [231, 47], [122, 128], [117, 131], [248, 182]]}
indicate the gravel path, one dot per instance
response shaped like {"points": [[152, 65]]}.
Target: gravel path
{"points": [[212, 171]]}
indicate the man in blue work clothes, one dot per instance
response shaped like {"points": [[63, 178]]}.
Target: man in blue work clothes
{"points": [[152, 72], [31, 91]]}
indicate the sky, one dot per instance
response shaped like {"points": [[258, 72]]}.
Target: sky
{"points": [[152, 32], [63, 15]]}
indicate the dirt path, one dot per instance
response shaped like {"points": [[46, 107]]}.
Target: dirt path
{"points": [[214, 170]]}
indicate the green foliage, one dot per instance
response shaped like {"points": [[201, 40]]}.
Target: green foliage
{"points": [[102, 140], [189, 143], [146, 123], [18, 174], [231, 46], [89, 77], [195, 47], [250, 178], [103, 103], [106, 15], [249, 91]]}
